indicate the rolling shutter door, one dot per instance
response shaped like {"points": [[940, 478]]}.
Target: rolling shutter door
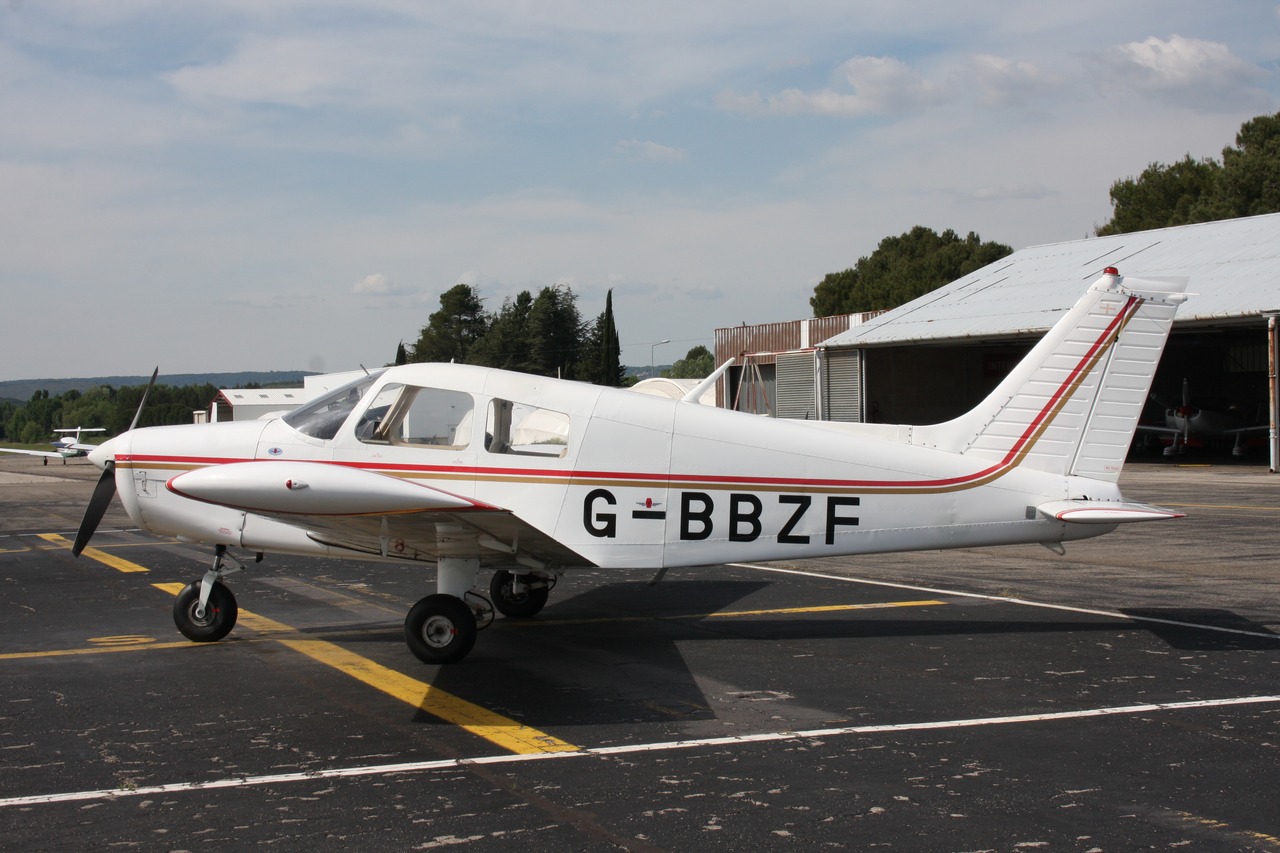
{"points": [[795, 386], [842, 385]]}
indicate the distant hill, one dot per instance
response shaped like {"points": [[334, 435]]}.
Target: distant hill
{"points": [[22, 389]]}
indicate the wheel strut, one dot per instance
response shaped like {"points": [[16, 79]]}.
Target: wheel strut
{"points": [[215, 574]]}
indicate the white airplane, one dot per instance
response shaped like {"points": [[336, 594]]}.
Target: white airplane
{"points": [[68, 447], [471, 468], [1188, 425]]}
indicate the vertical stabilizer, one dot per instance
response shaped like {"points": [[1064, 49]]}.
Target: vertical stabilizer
{"points": [[1072, 405]]}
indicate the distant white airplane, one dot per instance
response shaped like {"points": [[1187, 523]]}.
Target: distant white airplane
{"points": [[68, 447], [471, 468]]}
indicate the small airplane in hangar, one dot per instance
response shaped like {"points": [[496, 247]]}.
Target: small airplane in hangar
{"points": [[471, 468], [1189, 425], [67, 447]]}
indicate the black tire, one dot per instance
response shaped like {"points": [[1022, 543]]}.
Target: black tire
{"points": [[219, 616], [509, 604], [440, 629]]}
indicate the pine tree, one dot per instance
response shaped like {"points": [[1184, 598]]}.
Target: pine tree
{"points": [[506, 342], [602, 351], [454, 329], [555, 333]]}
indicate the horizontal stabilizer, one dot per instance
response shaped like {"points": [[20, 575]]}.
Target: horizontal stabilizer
{"points": [[1104, 512]]}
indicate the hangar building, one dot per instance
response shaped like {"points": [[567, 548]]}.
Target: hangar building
{"points": [[935, 357]]}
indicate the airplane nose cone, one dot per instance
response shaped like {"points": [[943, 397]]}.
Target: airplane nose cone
{"points": [[103, 453]]}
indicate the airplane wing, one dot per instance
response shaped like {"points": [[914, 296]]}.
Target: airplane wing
{"points": [[376, 514], [1163, 430], [32, 452]]}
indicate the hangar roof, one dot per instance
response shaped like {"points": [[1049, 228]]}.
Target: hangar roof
{"points": [[1234, 267], [280, 398]]}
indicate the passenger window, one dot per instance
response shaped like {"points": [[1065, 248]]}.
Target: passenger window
{"points": [[526, 430], [419, 417]]}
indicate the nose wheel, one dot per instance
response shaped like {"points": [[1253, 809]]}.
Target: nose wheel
{"points": [[205, 610], [209, 623]]}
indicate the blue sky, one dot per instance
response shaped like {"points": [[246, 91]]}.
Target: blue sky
{"points": [[236, 185]]}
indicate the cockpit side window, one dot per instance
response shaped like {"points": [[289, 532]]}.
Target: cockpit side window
{"points": [[322, 417], [418, 416]]}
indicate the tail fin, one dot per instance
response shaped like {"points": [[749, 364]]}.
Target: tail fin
{"points": [[1071, 406]]}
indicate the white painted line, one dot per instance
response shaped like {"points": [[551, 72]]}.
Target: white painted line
{"points": [[1112, 614], [667, 746]]}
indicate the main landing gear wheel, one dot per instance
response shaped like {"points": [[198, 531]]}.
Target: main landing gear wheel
{"points": [[440, 629], [219, 615], [517, 605]]}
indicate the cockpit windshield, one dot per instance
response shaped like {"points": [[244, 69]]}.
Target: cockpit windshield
{"points": [[322, 417]]}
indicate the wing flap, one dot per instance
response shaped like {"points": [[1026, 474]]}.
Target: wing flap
{"points": [[495, 537]]}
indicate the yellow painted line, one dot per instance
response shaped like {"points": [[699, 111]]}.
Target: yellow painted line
{"points": [[728, 614], [826, 608], [158, 543], [1271, 841], [96, 650], [493, 727], [103, 557]]}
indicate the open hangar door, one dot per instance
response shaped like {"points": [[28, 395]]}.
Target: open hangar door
{"points": [[1218, 376], [931, 383]]}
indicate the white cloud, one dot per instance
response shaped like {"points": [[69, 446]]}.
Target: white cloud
{"points": [[376, 284], [1009, 82], [868, 85], [305, 71], [1187, 71], [652, 152], [1006, 192]]}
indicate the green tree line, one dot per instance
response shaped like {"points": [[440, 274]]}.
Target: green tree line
{"points": [[33, 422]]}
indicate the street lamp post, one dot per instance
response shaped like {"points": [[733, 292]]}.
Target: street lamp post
{"points": [[652, 370]]}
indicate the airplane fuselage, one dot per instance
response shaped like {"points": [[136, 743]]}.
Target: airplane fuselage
{"points": [[634, 481]]}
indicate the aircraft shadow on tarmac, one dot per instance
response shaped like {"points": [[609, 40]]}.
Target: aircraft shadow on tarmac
{"points": [[615, 653], [1189, 638]]}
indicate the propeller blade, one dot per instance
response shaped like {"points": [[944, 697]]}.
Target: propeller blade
{"points": [[145, 394], [105, 490], [97, 508]]}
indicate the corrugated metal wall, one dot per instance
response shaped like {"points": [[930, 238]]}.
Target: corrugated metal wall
{"points": [[764, 341]]}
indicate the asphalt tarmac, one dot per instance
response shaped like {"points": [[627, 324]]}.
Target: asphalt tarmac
{"points": [[1124, 696]]}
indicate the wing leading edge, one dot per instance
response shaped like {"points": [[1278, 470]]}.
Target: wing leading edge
{"points": [[376, 514]]}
